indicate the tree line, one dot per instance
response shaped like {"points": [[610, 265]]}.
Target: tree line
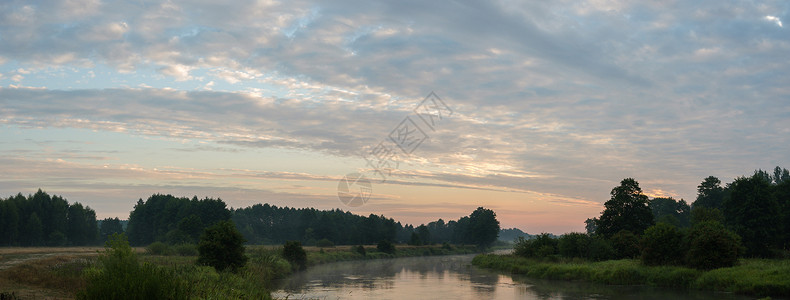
{"points": [[747, 217], [44, 220]]}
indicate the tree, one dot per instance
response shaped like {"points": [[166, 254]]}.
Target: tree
{"points": [[222, 247], [483, 227], [712, 246], [295, 254], [627, 209], [34, 230], [591, 225], [625, 244], [110, 226], [574, 244], [671, 211], [753, 213], [661, 245], [385, 246], [710, 193]]}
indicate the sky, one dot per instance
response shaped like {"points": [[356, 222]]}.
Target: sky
{"points": [[545, 105]]}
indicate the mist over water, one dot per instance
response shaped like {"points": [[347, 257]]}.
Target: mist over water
{"points": [[451, 277]]}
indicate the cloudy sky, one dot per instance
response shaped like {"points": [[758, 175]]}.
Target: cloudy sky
{"points": [[553, 102]]}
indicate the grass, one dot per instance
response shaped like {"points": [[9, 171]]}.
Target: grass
{"points": [[60, 273], [760, 277]]}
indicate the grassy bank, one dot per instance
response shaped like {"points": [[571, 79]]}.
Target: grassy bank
{"points": [[63, 274], [761, 277]]}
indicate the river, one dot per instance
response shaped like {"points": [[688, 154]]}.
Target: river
{"points": [[452, 277]]}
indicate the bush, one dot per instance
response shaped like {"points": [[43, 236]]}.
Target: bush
{"points": [[222, 247], [186, 250], [157, 248], [386, 247], [541, 245], [295, 254], [574, 244], [712, 246], [625, 244], [600, 249], [119, 275], [662, 245], [359, 249], [325, 243]]}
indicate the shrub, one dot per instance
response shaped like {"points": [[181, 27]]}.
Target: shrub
{"points": [[447, 246], [119, 275], [625, 244], [600, 249], [662, 245], [541, 245], [574, 244], [325, 243], [359, 249], [186, 250], [222, 247], [712, 246], [386, 246], [295, 254], [157, 248]]}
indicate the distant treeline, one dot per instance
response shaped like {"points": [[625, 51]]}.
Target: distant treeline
{"points": [[44, 220]]}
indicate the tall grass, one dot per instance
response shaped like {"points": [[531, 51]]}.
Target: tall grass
{"points": [[761, 277]]}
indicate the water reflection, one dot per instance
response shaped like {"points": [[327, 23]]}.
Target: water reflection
{"points": [[451, 277]]}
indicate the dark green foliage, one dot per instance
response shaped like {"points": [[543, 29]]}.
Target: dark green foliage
{"points": [[710, 194], [41, 219], [701, 214], [119, 275], [662, 245], [325, 243], [712, 246], [483, 227], [574, 244], [108, 227], [600, 249], [186, 250], [541, 245], [626, 209], [625, 244], [753, 213], [671, 211], [158, 248], [591, 225], [386, 246], [360, 250], [295, 254], [425, 235], [415, 239], [166, 218], [222, 247]]}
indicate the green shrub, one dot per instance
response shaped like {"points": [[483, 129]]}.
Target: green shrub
{"points": [[295, 254], [119, 275], [600, 249], [386, 246], [541, 245], [157, 248], [625, 244], [447, 246], [712, 246], [359, 249], [325, 243], [186, 250], [222, 247], [574, 244], [662, 245]]}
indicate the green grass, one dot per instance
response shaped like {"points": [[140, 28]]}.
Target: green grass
{"points": [[760, 277]]}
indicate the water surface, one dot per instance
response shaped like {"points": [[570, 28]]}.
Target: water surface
{"points": [[452, 277]]}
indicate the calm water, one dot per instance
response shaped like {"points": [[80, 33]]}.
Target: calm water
{"points": [[451, 277]]}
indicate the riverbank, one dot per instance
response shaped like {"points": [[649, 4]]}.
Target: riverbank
{"points": [[33, 273], [759, 277]]}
